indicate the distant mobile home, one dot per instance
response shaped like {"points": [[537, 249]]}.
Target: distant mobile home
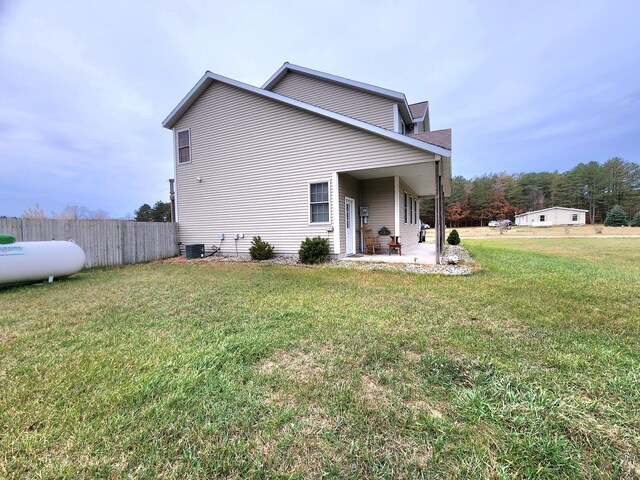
{"points": [[548, 217]]}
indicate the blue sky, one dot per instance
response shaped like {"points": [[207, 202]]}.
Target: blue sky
{"points": [[525, 86]]}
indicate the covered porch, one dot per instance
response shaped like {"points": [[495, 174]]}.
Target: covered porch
{"points": [[421, 253], [373, 198]]}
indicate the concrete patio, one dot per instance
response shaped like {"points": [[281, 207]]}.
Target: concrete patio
{"points": [[421, 253]]}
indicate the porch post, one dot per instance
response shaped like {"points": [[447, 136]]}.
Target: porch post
{"points": [[439, 213], [335, 214], [442, 217], [396, 205]]}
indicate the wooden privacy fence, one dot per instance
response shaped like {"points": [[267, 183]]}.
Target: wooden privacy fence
{"points": [[105, 242]]}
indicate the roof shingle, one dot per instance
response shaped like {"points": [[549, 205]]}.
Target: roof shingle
{"points": [[441, 138], [418, 109]]}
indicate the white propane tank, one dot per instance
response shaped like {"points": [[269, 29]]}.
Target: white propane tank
{"points": [[34, 261]]}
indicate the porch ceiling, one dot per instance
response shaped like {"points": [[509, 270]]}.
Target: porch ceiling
{"points": [[419, 176]]}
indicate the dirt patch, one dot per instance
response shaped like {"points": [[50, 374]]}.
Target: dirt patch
{"points": [[409, 451], [411, 357], [299, 366], [299, 447], [422, 406], [632, 468], [6, 336], [376, 395]]}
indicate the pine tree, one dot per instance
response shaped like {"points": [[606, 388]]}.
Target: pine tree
{"points": [[453, 238], [616, 217], [635, 221]]}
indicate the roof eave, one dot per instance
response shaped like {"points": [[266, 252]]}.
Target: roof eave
{"points": [[209, 77]]}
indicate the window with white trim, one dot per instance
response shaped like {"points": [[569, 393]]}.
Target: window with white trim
{"points": [[405, 207], [542, 217], [184, 146], [574, 217], [319, 202]]}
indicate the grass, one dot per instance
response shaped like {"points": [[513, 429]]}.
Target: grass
{"points": [[529, 369], [561, 231]]}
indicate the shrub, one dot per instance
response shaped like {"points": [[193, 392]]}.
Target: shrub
{"points": [[635, 221], [314, 250], [260, 250], [453, 238], [616, 217]]}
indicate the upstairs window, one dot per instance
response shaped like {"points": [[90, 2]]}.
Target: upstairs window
{"points": [[184, 146], [574, 217], [319, 202]]}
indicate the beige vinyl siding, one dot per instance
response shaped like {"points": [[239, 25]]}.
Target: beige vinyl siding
{"points": [[348, 187], [408, 231], [348, 101], [377, 194], [255, 180]]}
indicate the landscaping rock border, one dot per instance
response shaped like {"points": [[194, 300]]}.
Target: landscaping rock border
{"points": [[466, 266]]}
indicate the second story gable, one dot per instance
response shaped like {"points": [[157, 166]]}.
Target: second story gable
{"points": [[375, 105]]}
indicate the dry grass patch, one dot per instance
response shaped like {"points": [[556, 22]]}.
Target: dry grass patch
{"points": [[376, 395], [298, 366]]}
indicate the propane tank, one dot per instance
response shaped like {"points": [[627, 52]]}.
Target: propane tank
{"points": [[35, 261]]}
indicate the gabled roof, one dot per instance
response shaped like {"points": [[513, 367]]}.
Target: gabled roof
{"points": [[363, 87], [442, 138], [552, 208], [419, 109], [208, 78]]}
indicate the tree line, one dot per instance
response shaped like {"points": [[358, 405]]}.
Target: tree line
{"points": [[595, 187]]}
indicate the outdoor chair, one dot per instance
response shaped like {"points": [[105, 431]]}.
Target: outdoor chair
{"points": [[371, 241]]}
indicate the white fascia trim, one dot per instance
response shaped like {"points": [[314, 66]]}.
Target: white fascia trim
{"points": [[186, 102], [396, 118], [396, 194], [210, 77], [385, 92], [336, 212]]}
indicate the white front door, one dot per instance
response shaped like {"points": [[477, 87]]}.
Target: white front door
{"points": [[349, 227]]}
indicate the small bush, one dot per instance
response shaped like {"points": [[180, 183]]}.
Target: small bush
{"points": [[453, 238], [314, 250], [260, 250], [635, 221], [616, 217]]}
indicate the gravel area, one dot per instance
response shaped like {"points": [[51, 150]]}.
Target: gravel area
{"points": [[466, 265]]}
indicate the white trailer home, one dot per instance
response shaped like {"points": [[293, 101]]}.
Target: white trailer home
{"points": [[548, 217]]}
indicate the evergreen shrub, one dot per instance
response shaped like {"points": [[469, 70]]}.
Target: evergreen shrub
{"points": [[260, 250], [314, 250], [453, 238]]}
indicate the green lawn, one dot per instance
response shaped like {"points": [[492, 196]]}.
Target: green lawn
{"points": [[530, 368]]}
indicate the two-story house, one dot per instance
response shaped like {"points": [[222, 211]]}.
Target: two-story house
{"points": [[300, 157]]}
